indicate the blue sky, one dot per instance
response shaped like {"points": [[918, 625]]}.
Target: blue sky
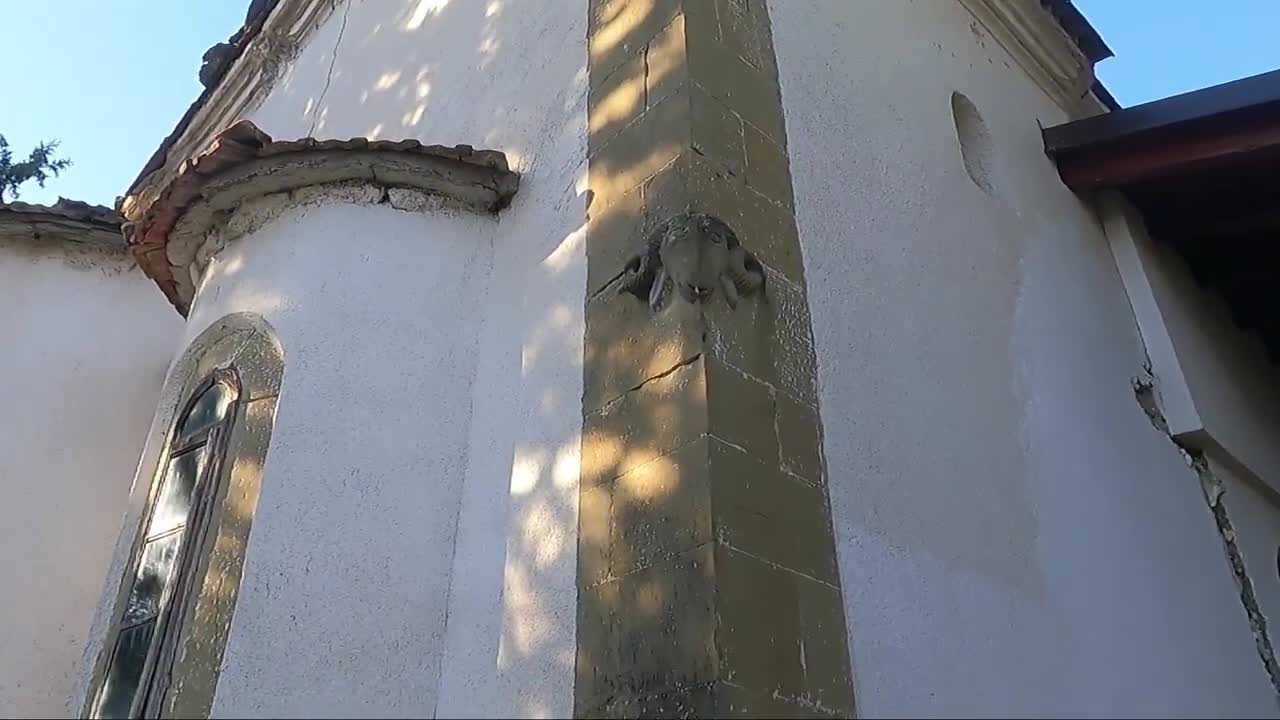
{"points": [[110, 78], [1166, 47]]}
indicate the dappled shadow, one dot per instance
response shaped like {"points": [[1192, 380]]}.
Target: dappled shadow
{"points": [[509, 77]]}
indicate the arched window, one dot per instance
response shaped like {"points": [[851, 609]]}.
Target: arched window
{"points": [[175, 535], [161, 630]]}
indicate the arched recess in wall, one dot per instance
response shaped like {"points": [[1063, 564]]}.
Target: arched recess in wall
{"points": [[976, 147], [179, 585]]}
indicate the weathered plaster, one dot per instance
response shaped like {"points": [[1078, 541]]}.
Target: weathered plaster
{"points": [[248, 344], [351, 549], [84, 341], [511, 77], [433, 380], [998, 495], [1215, 491], [1255, 519]]}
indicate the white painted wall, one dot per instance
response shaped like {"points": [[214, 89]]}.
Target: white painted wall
{"points": [[84, 342], [343, 600], [1014, 536], [1235, 388], [414, 548], [1255, 516]]}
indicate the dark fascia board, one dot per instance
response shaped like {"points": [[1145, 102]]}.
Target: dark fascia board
{"points": [[1101, 92], [1075, 24], [1197, 105]]}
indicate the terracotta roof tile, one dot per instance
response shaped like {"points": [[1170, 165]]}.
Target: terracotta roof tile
{"points": [[68, 220]]}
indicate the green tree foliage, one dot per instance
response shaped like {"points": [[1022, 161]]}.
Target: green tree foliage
{"points": [[38, 166]]}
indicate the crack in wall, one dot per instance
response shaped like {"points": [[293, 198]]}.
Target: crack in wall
{"points": [[1214, 495], [652, 378], [342, 29]]}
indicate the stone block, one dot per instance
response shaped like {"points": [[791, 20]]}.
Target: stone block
{"points": [[716, 133], [666, 638], [594, 534], [627, 344], [665, 414], [740, 410], [795, 365], [660, 509], [799, 438], [828, 679], [666, 62], [762, 511], [639, 150], [758, 633], [597, 669], [614, 234], [744, 30], [620, 29], [616, 101], [747, 91], [767, 170]]}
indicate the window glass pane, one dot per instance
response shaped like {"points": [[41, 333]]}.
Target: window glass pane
{"points": [[153, 574], [207, 410], [175, 494], [125, 671]]}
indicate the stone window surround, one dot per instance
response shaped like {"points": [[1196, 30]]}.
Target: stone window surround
{"points": [[209, 444], [246, 345]]}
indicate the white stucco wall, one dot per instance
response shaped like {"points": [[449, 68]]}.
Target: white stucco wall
{"points": [[1255, 517], [343, 600], [84, 342], [1014, 535], [414, 548], [1234, 386]]}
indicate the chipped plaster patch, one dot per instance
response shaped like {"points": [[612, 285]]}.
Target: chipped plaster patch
{"points": [[1144, 391]]}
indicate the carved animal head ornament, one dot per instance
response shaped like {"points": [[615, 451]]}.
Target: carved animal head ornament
{"points": [[693, 254]]}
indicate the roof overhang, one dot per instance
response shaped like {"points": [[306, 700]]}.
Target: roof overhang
{"points": [[1201, 167], [1233, 122]]}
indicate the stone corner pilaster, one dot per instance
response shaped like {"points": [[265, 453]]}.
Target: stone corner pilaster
{"points": [[708, 581]]}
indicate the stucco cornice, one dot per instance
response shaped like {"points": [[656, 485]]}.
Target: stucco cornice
{"points": [[242, 88], [1044, 50], [243, 164]]}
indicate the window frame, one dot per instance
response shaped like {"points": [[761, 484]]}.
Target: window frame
{"points": [[182, 586]]}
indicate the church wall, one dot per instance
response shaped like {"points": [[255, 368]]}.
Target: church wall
{"points": [[85, 342], [413, 550], [346, 579], [1234, 386], [1256, 524], [1015, 536]]}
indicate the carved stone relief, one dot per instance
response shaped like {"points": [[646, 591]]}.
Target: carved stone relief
{"points": [[693, 254]]}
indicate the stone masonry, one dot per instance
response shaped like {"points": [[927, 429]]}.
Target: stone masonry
{"points": [[708, 583]]}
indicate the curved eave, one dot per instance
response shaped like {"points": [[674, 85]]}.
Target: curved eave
{"points": [[244, 162]]}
